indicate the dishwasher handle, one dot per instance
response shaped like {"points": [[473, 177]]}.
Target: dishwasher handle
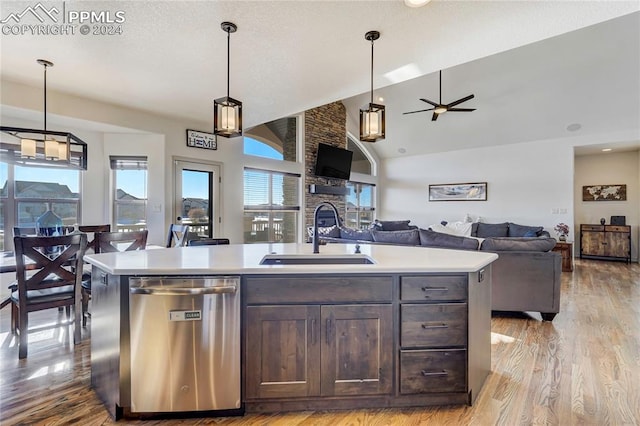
{"points": [[177, 291]]}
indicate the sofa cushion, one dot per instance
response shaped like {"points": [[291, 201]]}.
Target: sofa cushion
{"points": [[518, 244], [406, 237], [516, 230], [392, 225], [355, 234], [485, 230], [430, 238]]}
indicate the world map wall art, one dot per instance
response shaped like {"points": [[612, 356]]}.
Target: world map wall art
{"points": [[604, 193]]}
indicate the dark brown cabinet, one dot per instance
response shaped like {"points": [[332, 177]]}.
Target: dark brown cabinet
{"points": [[433, 334], [605, 241], [314, 350], [318, 349], [364, 341]]}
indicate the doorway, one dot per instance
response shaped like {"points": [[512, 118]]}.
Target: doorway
{"points": [[197, 197]]}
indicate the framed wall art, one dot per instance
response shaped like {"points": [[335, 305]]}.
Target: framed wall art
{"points": [[604, 193], [196, 139], [458, 192]]}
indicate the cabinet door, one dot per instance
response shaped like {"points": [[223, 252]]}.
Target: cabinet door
{"points": [[616, 244], [592, 243], [357, 350], [282, 351]]}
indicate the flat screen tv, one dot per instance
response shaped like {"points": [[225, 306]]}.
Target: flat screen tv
{"points": [[333, 162]]}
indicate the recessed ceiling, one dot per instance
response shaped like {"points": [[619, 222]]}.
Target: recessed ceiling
{"points": [[289, 56]]}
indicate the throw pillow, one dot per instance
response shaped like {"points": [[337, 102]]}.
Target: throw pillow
{"points": [[518, 244], [355, 234], [404, 237], [516, 230], [485, 230], [430, 238], [393, 225], [325, 231], [453, 228], [530, 234]]}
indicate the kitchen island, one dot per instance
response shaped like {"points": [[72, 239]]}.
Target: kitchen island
{"points": [[316, 330]]}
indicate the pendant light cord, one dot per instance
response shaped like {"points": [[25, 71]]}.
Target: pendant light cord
{"points": [[45, 98], [228, 59], [371, 71]]}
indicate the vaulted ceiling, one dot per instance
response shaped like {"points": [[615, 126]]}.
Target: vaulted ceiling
{"points": [[289, 56]]}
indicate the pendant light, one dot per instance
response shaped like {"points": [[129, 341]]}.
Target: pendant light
{"points": [[227, 112], [372, 119], [43, 147]]}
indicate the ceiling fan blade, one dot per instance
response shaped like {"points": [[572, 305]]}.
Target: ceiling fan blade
{"points": [[434, 117], [461, 109], [421, 110], [429, 102], [459, 101]]}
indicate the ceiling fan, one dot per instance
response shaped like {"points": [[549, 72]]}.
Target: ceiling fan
{"points": [[440, 108]]}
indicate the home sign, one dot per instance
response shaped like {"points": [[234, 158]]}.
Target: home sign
{"points": [[204, 140]]}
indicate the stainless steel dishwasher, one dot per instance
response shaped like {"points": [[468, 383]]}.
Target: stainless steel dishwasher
{"points": [[185, 344]]}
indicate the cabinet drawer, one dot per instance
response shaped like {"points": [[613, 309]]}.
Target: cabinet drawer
{"points": [[617, 228], [432, 371], [433, 325], [598, 228], [439, 287], [325, 289]]}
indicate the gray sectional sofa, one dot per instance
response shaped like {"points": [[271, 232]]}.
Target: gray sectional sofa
{"points": [[526, 276]]}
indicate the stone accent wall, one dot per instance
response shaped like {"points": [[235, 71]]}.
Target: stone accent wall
{"points": [[325, 124]]}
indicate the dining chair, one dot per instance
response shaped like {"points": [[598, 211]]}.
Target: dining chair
{"points": [[46, 281], [91, 231], [208, 242], [109, 242], [177, 236]]}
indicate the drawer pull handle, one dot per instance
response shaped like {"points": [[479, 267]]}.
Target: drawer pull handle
{"points": [[427, 326], [435, 289], [434, 373]]}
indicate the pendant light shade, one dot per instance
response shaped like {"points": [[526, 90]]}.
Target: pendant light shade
{"points": [[42, 147], [227, 112], [372, 119]]}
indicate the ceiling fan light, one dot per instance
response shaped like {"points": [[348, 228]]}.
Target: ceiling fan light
{"points": [[27, 148], [415, 3], [440, 110]]}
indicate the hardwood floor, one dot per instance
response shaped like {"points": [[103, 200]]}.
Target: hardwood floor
{"points": [[584, 368]]}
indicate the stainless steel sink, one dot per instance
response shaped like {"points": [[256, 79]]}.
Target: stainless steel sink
{"points": [[316, 259]]}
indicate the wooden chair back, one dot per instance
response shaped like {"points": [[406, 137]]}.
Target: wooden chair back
{"points": [[49, 275], [109, 242], [30, 231], [93, 229], [177, 236]]}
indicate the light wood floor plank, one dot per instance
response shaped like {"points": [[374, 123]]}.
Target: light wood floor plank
{"points": [[581, 369]]}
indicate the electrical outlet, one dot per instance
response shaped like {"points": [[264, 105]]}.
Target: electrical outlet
{"points": [[555, 211], [563, 211]]}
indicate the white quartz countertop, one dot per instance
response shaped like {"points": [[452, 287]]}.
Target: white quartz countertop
{"points": [[239, 259]]}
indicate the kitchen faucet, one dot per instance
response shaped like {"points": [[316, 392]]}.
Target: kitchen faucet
{"points": [[316, 238]]}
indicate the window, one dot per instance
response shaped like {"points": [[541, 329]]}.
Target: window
{"points": [[360, 163], [360, 206], [276, 139], [271, 206], [130, 193], [28, 192]]}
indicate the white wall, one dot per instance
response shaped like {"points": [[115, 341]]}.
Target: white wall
{"points": [[609, 168], [525, 184], [165, 140]]}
